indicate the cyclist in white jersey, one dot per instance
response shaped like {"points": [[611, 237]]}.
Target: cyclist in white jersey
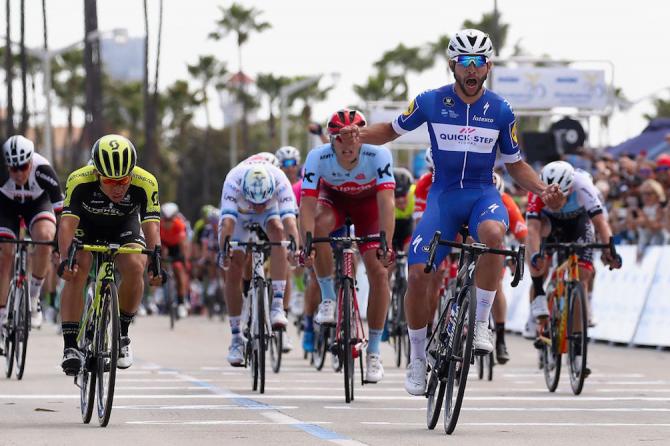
{"points": [[255, 191]]}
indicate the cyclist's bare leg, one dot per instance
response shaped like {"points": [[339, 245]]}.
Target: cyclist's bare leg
{"points": [[6, 261], [43, 231], [489, 267], [312, 295], [181, 278], [324, 224], [500, 306], [131, 267], [378, 300], [233, 284], [71, 301], [436, 282]]}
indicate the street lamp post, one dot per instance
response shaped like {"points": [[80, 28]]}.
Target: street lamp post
{"points": [[287, 91]]}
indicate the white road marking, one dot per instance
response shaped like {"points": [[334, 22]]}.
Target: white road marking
{"points": [[389, 423], [202, 407], [508, 409], [217, 422]]}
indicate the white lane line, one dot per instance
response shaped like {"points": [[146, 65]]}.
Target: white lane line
{"points": [[507, 409], [149, 380], [594, 374], [218, 422], [231, 395], [160, 388], [632, 390], [389, 423], [202, 407]]}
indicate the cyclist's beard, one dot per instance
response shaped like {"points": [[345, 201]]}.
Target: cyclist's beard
{"points": [[464, 89]]}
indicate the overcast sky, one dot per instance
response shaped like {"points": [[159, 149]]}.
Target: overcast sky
{"points": [[317, 36]]}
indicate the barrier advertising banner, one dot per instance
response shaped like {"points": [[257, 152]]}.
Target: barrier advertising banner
{"points": [[619, 296], [654, 325], [545, 87]]}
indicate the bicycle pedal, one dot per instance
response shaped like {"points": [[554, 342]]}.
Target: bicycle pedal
{"points": [[365, 381]]}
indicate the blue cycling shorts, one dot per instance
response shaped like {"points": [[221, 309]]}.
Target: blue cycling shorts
{"points": [[448, 211]]}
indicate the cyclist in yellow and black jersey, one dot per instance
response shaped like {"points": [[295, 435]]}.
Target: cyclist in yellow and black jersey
{"points": [[112, 201], [404, 208]]}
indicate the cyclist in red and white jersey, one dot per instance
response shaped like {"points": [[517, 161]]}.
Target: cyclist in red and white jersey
{"points": [[354, 180]]}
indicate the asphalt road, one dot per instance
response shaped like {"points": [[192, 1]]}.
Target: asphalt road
{"points": [[181, 391]]}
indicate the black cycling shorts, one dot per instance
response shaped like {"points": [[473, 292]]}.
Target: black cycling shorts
{"points": [[402, 233], [11, 212], [126, 232], [579, 230]]}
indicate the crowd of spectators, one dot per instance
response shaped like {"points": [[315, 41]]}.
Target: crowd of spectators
{"points": [[635, 190]]}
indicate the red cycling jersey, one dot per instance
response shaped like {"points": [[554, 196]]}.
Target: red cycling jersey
{"points": [[175, 234], [517, 224], [421, 194]]}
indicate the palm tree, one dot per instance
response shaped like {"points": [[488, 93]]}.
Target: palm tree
{"points": [[271, 85], [662, 109], [205, 71], [439, 48], [381, 86], [491, 25], [308, 96], [24, 72], [151, 98], [403, 60], [68, 89], [9, 78], [94, 126], [242, 22]]}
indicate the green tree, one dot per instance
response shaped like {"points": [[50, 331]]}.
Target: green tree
{"points": [[490, 24], [308, 97], [9, 75], [438, 49], [68, 85], [401, 60], [150, 98], [242, 22], [662, 107], [205, 71], [381, 86], [271, 85]]}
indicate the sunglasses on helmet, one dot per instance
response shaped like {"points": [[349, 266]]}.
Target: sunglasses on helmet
{"points": [[123, 181], [289, 163], [21, 168], [466, 60]]}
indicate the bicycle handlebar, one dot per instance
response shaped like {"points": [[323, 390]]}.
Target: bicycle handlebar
{"points": [[155, 254], [477, 248], [574, 247], [348, 240]]}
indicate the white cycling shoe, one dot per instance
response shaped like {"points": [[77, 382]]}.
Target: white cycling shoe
{"points": [[326, 314], [539, 307], [482, 340], [375, 370], [415, 378]]}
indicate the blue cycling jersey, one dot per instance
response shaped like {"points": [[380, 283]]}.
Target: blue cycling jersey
{"points": [[464, 137]]}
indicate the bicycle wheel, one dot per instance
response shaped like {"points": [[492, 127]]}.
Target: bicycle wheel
{"points": [[107, 350], [437, 371], [276, 340], [168, 293], [86, 376], [10, 344], [275, 349], [261, 337], [21, 328], [347, 347], [489, 366], [578, 337], [321, 347], [459, 359], [551, 354]]}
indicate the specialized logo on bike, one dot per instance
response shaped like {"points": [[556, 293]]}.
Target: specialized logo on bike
{"points": [[416, 242]]}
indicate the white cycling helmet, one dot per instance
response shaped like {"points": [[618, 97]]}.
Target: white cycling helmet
{"points": [[429, 159], [169, 210], [288, 153], [270, 158], [559, 172], [470, 42], [258, 185], [18, 150], [499, 183]]}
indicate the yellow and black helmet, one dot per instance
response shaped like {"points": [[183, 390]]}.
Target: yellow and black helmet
{"points": [[114, 156]]}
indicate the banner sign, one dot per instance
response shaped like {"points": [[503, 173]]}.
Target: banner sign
{"points": [[544, 88]]}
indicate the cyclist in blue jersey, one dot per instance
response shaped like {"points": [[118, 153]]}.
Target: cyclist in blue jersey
{"points": [[468, 125]]}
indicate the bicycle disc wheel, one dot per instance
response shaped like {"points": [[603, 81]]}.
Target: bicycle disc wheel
{"points": [[10, 344], [107, 351], [460, 357], [578, 338], [22, 329], [551, 354], [321, 347], [347, 347], [86, 377]]}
